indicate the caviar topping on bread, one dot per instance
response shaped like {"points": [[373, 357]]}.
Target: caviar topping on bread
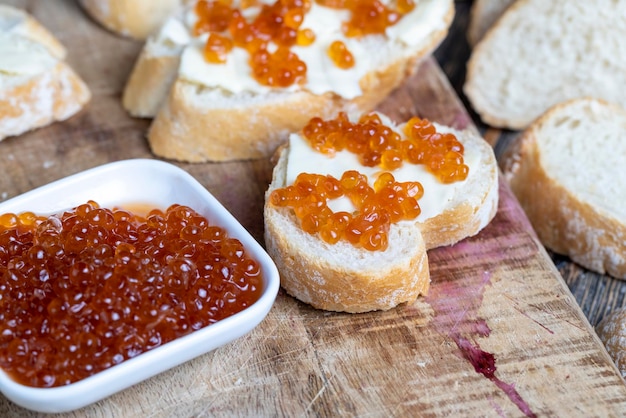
{"points": [[371, 197], [228, 63], [134, 18], [568, 173], [36, 86], [541, 53]]}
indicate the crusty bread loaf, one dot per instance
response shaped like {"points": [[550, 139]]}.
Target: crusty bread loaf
{"points": [[195, 122], [541, 53], [483, 14], [568, 172], [342, 277], [612, 333], [36, 86], [136, 19]]}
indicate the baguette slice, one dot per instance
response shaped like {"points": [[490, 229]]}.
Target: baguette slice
{"points": [[541, 53], [36, 86], [483, 14], [136, 19], [569, 175], [196, 122], [341, 277]]}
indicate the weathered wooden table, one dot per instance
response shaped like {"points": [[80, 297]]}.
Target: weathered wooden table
{"points": [[500, 333]]}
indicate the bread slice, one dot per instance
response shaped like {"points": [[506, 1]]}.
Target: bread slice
{"points": [[345, 278], [541, 53], [36, 86], [342, 277], [569, 175], [136, 19], [483, 14], [198, 122]]}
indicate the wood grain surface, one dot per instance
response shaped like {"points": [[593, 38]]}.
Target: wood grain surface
{"points": [[499, 334]]}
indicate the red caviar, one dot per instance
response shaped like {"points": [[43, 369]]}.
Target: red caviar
{"points": [[376, 208], [88, 289], [378, 144], [279, 23]]}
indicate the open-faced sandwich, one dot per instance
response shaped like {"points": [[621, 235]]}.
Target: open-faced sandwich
{"points": [[354, 204]]}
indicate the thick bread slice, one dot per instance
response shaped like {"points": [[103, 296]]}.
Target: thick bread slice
{"points": [[18, 22], [199, 123], [483, 14], [137, 18], [475, 202], [341, 277], [569, 175], [540, 53]]}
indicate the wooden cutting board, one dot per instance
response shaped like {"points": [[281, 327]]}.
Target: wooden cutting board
{"points": [[498, 335]]}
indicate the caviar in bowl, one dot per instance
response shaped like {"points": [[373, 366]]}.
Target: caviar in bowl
{"points": [[125, 184]]}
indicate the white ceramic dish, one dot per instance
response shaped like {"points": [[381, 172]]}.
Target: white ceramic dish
{"points": [[159, 184]]}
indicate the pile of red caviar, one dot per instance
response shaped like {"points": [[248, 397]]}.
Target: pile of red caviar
{"points": [[376, 208], [280, 23], [86, 290], [388, 201], [379, 145]]}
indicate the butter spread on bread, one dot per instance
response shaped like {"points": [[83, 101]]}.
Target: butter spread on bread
{"points": [[36, 86]]}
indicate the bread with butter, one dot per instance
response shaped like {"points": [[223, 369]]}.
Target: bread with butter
{"points": [[344, 277], [541, 53], [567, 170], [218, 112], [37, 87], [136, 19]]}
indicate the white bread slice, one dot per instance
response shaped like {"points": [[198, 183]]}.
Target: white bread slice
{"points": [[17, 22], [36, 86], [342, 277], [540, 53], [199, 123], [136, 19], [483, 14], [569, 175]]}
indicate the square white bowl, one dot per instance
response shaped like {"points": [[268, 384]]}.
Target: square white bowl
{"points": [[158, 184]]}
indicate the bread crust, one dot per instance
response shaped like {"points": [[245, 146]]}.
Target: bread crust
{"points": [[198, 124], [54, 95], [341, 277], [563, 222], [136, 19]]}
